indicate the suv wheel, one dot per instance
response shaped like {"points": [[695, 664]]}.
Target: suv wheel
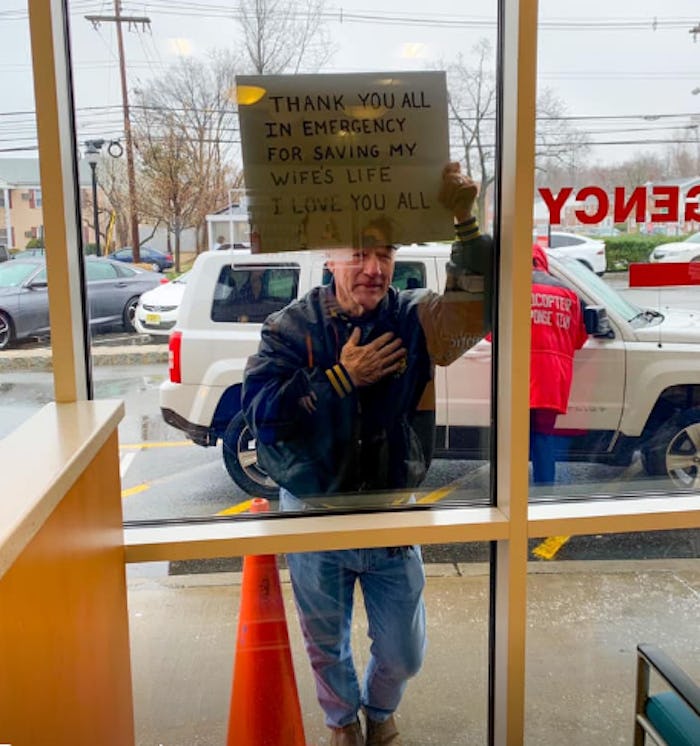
{"points": [[241, 460], [674, 450]]}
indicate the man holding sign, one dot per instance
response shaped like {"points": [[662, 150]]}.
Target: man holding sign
{"points": [[340, 395]]}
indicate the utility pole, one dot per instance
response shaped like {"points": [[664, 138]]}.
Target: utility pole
{"points": [[132, 21]]}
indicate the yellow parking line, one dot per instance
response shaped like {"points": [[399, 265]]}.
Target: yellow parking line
{"points": [[240, 508], [435, 495], [135, 490], [550, 546], [164, 444]]}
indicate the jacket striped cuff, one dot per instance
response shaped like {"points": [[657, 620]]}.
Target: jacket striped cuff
{"points": [[340, 380], [468, 230]]}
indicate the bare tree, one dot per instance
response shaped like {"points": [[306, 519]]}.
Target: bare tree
{"points": [[683, 157], [557, 143], [472, 107], [285, 35], [113, 182], [186, 135]]}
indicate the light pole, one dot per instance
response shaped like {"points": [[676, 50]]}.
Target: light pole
{"points": [[93, 149]]}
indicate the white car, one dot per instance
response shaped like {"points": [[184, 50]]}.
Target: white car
{"points": [[156, 312], [588, 251], [678, 251]]}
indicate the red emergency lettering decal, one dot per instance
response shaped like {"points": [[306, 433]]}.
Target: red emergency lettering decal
{"points": [[554, 204], [603, 205]]}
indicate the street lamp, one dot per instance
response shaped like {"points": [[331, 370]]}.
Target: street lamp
{"points": [[93, 149]]}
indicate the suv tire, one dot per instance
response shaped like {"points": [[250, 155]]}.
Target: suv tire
{"points": [[241, 460], [674, 450]]}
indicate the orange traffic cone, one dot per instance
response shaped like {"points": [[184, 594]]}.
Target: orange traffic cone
{"points": [[265, 707]]}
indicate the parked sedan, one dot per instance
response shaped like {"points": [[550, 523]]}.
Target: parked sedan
{"points": [[678, 251], [156, 312], [113, 291], [158, 260]]}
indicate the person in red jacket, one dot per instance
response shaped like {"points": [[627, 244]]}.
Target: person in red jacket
{"points": [[557, 331]]}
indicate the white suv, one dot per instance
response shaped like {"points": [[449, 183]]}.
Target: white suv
{"points": [[636, 382]]}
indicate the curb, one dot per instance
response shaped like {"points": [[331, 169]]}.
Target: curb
{"points": [[41, 360]]}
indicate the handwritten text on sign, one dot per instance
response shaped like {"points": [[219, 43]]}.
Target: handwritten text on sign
{"points": [[325, 155]]}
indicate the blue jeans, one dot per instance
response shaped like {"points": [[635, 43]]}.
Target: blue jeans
{"points": [[543, 445], [543, 456], [392, 581]]}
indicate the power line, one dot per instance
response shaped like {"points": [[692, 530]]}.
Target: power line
{"points": [[340, 14]]}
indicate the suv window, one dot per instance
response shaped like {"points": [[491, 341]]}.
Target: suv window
{"points": [[252, 292], [407, 275]]}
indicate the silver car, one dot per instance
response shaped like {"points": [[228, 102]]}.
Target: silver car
{"points": [[113, 290]]}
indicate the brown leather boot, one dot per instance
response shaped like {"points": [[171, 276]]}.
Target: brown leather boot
{"points": [[382, 734], [349, 735]]}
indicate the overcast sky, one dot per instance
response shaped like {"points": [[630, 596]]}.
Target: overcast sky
{"points": [[626, 67]]}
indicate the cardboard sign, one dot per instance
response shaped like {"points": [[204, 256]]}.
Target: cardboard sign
{"points": [[328, 156]]}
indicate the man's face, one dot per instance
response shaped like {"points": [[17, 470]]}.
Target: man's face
{"points": [[362, 277]]}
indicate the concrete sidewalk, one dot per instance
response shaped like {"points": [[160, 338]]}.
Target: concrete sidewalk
{"points": [[584, 622]]}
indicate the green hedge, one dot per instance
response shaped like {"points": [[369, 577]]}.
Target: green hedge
{"points": [[621, 251]]}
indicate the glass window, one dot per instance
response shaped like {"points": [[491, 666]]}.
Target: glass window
{"points": [[251, 294], [98, 270], [622, 411], [122, 270], [25, 355], [561, 239], [407, 275], [13, 274], [180, 184], [591, 600], [171, 599]]}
